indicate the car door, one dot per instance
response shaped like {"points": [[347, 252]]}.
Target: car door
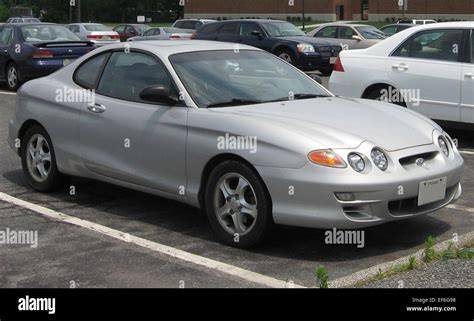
{"points": [[121, 31], [252, 34], [228, 32], [467, 93], [6, 38], [127, 139], [426, 69]]}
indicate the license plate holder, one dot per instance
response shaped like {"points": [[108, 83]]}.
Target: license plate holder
{"points": [[432, 191]]}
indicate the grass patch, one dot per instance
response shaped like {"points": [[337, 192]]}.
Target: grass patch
{"points": [[323, 277]]}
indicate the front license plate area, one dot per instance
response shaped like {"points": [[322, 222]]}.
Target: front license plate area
{"points": [[432, 191], [332, 60]]}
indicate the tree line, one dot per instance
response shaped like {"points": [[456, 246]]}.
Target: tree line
{"points": [[59, 11]]}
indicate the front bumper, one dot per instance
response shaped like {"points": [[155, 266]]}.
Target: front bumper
{"points": [[306, 196]]}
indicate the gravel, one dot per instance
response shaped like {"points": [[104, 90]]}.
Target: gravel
{"points": [[455, 273]]}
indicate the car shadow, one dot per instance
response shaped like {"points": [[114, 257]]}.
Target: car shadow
{"points": [[284, 242]]}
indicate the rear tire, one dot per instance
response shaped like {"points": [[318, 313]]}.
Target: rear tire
{"points": [[238, 205], [13, 77], [39, 161]]}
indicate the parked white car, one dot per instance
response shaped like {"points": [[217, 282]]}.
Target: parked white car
{"points": [[428, 68]]}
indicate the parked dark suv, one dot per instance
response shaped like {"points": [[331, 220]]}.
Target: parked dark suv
{"points": [[278, 37]]}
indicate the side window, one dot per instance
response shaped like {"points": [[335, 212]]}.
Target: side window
{"points": [[247, 28], [157, 32], [472, 46], [120, 29], [228, 29], [129, 30], [127, 74], [88, 73], [345, 33], [328, 32], [192, 25], [179, 24], [390, 30], [6, 37], [433, 45]]}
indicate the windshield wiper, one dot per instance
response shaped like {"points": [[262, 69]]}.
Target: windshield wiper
{"points": [[235, 102], [301, 96]]}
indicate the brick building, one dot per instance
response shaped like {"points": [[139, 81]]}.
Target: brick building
{"points": [[330, 10]]}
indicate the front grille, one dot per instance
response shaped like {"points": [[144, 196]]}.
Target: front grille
{"points": [[411, 160], [409, 206]]}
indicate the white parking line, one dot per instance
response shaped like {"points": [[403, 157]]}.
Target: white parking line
{"points": [[461, 208], [157, 247], [7, 93], [466, 152]]}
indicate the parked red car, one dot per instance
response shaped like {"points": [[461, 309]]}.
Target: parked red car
{"points": [[130, 30]]}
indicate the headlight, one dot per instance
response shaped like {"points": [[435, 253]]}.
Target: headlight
{"points": [[356, 161], [327, 158], [443, 144], [302, 47], [379, 159]]}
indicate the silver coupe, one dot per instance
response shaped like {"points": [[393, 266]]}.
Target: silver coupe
{"points": [[235, 131]]}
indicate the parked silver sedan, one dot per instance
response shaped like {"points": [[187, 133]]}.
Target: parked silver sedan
{"points": [[235, 131], [164, 33], [348, 35], [97, 33]]}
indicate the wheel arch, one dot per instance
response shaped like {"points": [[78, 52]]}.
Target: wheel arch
{"points": [[373, 87], [24, 128], [219, 159]]}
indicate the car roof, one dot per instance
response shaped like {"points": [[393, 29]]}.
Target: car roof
{"points": [[32, 24], [171, 47]]}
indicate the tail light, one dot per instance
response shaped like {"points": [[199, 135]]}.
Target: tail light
{"points": [[115, 37], [94, 37], [194, 35], [338, 65], [42, 55], [174, 37]]}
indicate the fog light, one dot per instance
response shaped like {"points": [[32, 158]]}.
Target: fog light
{"points": [[345, 197], [379, 159], [356, 161], [443, 145]]}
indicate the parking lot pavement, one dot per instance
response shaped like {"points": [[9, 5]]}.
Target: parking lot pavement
{"points": [[66, 253]]}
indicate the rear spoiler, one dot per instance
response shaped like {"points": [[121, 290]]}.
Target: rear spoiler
{"points": [[63, 44]]}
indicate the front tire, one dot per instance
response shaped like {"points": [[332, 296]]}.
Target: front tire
{"points": [[286, 55], [238, 205], [39, 160], [13, 77]]}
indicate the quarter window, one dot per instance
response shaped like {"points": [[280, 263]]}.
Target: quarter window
{"points": [[433, 45], [127, 74], [88, 73]]}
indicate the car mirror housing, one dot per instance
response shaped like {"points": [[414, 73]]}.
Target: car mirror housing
{"points": [[358, 38], [159, 94], [256, 33]]}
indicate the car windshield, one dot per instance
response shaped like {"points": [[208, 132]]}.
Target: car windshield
{"points": [[369, 32], [282, 29], [96, 28], [47, 33], [228, 78], [141, 28], [174, 30]]}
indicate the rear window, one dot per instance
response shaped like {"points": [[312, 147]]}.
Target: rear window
{"points": [[47, 33], [96, 28]]}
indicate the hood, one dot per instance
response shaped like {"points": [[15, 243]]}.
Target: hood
{"points": [[310, 40], [344, 123]]}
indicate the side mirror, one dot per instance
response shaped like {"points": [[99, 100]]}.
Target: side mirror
{"points": [[358, 38], [159, 94]]}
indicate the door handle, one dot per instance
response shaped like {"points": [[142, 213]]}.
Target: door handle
{"points": [[400, 67], [97, 108], [469, 76]]}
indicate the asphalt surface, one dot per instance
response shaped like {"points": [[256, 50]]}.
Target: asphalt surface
{"points": [[67, 253]]}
